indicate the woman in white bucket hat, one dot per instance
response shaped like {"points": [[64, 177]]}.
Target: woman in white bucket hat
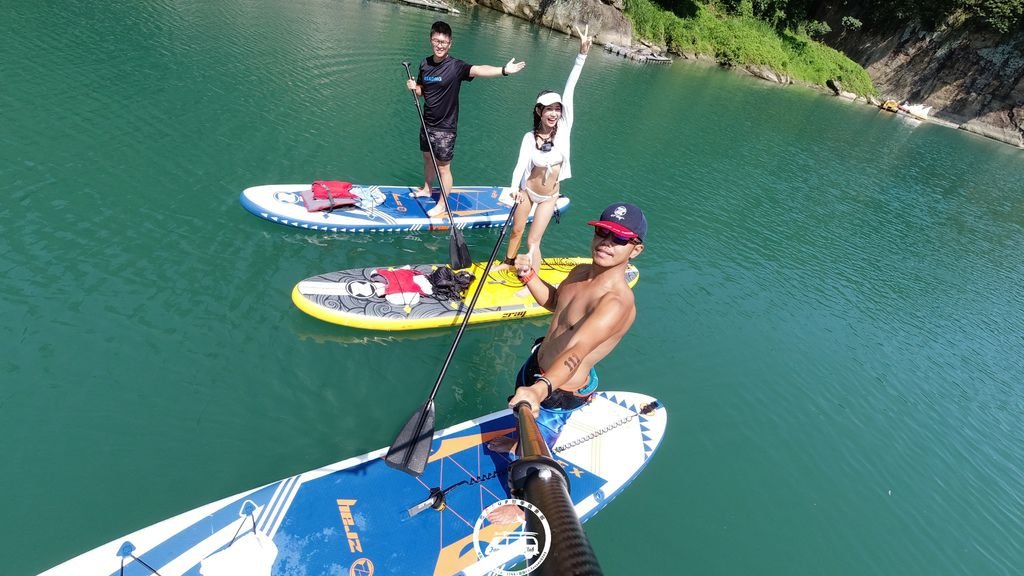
{"points": [[544, 161]]}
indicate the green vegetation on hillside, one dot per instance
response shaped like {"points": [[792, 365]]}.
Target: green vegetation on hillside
{"points": [[738, 37]]}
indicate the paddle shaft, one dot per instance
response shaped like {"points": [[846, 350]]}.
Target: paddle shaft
{"points": [[410, 448], [430, 147], [472, 303]]}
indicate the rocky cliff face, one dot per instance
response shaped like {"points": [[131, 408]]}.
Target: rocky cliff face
{"points": [[974, 80], [606, 17]]}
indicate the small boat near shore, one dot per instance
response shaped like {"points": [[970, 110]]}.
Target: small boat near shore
{"points": [[437, 5]]}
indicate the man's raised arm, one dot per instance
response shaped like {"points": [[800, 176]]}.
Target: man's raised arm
{"points": [[545, 294], [485, 71]]}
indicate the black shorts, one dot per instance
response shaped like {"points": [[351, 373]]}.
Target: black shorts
{"points": [[560, 400], [443, 142]]}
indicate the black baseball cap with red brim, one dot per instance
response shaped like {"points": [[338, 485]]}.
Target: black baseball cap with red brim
{"points": [[624, 220]]}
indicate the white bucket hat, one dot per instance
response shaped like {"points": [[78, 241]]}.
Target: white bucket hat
{"points": [[549, 98]]}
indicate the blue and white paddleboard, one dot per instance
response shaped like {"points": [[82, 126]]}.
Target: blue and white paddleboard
{"points": [[353, 517], [383, 208]]}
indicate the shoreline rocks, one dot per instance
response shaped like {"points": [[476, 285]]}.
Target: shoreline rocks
{"points": [[645, 54]]}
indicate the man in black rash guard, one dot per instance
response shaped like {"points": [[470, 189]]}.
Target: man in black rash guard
{"points": [[439, 80]]}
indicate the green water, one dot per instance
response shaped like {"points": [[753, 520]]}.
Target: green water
{"points": [[829, 304]]}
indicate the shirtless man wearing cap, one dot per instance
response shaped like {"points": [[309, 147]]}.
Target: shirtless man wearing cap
{"points": [[592, 310]]}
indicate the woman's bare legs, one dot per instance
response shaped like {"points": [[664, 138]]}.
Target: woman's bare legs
{"points": [[515, 239], [541, 219]]}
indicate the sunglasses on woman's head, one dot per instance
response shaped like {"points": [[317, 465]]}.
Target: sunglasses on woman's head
{"points": [[619, 240]]}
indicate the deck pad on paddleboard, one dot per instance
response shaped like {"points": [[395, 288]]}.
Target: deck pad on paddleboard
{"points": [[382, 208], [343, 297], [351, 517]]}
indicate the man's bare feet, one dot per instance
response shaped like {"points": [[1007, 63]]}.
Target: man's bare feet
{"points": [[507, 514], [503, 444]]}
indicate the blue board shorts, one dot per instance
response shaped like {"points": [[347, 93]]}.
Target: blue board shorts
{"points": [[555, 409]]}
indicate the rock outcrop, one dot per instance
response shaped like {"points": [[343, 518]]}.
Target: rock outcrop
{"points": [[606, 17]]}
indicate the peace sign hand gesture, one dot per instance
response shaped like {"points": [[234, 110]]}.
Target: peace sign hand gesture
{"points": [[585, 39]]}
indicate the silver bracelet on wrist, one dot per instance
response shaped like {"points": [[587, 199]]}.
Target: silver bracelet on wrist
{"points": [[544, 380]]}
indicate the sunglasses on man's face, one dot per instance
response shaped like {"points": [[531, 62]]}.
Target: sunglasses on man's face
{"points": [[618, 240]]}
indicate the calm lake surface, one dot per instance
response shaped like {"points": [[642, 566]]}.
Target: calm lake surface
{"points": [[829, 303]]}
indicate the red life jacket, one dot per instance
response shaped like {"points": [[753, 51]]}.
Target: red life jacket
{"points": [[331, 189]]}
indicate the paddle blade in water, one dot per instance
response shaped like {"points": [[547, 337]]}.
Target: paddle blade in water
{"points": [[458, 251], [410, 449]]}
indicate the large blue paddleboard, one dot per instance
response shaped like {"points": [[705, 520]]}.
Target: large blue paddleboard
{"points": [[353, 517], [382, 208]]}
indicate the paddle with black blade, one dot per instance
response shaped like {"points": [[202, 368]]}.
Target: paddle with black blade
{"points": [[458, 252], [411, 447]]}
